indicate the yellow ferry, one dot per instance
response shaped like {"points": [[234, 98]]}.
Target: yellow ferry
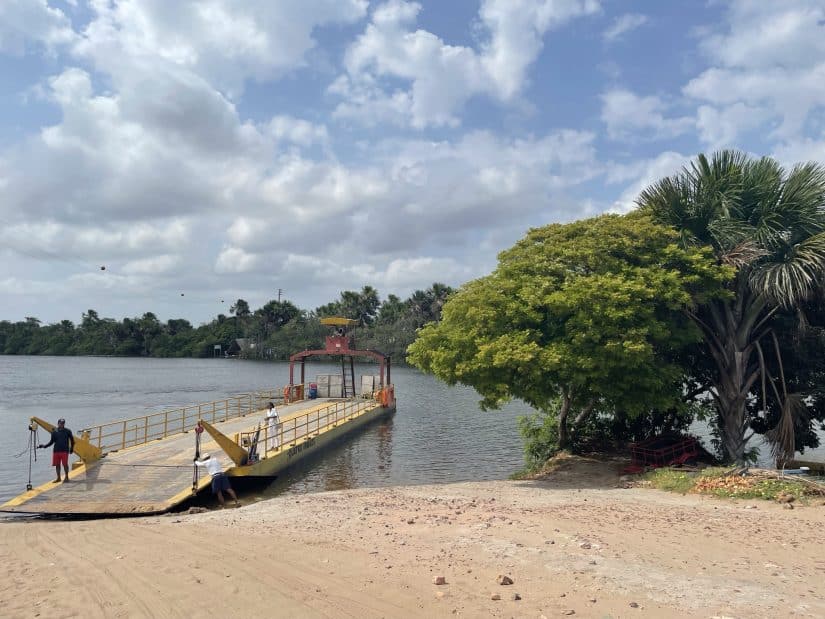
{"points": [[144, 465]]}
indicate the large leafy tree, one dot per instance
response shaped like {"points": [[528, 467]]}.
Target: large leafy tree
{"points": [[575, 317], [769, 225]]}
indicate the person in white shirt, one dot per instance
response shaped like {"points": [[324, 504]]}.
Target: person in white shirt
{"points": [[273, 428], [220, 481]]}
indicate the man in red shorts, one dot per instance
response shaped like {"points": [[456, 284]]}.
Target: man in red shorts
{"points": [[63, 445]]}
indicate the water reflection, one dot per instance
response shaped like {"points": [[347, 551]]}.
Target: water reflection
{"points": [[384, 448], [341, 474], [361, 458]]}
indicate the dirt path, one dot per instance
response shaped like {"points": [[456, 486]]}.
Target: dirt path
{"points": [[374, 553]]}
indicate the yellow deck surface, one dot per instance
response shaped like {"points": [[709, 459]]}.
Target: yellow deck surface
{"points": [[149, 478]]}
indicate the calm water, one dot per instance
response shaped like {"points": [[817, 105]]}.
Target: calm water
{"points": [[437, 435]]}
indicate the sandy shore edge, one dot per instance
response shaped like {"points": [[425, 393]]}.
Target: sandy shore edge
{"points": [[588, 552]]}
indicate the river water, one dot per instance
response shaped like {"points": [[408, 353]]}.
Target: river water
{"points": [[438, 433]]}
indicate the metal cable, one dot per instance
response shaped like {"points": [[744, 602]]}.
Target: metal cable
{"points": [[197, 455], [32, 452]]}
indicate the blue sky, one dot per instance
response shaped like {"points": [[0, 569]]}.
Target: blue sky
{"points": [[209, 151]]}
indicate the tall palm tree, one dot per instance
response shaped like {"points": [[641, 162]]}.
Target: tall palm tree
{"points": [[769, 226]]}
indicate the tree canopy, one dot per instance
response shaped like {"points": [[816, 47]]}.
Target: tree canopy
{"points": [[576, 316]]}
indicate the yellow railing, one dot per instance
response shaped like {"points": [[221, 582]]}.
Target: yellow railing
{"points": [[312, 423], [121, 434], [118, 435]]}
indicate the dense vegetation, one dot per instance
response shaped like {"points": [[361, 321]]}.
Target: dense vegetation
{"points": [[708, 300], [273, 331]]}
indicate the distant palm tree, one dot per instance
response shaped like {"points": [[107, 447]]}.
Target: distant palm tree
{"points": [[769, 226]]}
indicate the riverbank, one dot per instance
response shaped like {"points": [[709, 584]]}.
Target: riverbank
{"points": [[572, 545]]}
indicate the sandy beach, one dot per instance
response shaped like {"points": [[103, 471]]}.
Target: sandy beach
{"points": [[573, 546]]}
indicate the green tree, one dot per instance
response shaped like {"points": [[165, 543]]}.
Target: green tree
{"points": [[768, 225], [425, 305], [391, 310], [274, 315], [240, 309], [148, 328], [361, 306], [575, 317], [304, 332], [89, 319]]}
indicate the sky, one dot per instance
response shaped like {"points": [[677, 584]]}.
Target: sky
{"points": [[208, 150]]}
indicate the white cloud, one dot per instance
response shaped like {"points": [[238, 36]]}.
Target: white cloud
{"points": [[407, 274], [49, 239], [151, 266], [769, 34], [235, 260], [622, 25], [786, 94], [770, 58], [22, 286], [126, 156], [223, 41], [517, 28], [24, 23], [801, 150], [157, 163], [298, 131], [644, 173], [720, 127], [443, 77], [629, 116]]}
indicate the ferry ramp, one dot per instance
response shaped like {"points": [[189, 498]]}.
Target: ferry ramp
{"points": [[152, 477]]}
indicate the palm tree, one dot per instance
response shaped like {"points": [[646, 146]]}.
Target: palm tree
{"points": [[769, 226]]}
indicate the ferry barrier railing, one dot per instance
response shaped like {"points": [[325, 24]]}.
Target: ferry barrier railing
{"points": [[117, 435], [312, 423]]}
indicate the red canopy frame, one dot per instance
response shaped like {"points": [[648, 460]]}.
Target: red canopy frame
{"points": [[338, 344]]}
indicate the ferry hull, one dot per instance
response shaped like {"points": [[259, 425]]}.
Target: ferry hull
{"points": [[273, 465]]}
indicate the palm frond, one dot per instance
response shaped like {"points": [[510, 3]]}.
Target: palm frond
{"points": [[782, 438], [729, 233], [762, 189], [804, 189], [743, 254], [795, 275]]}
